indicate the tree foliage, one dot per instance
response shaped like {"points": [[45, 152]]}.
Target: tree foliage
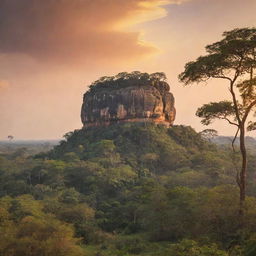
{"points": [[216, 110]]}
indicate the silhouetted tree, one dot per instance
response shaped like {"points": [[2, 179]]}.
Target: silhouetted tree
{"points": [[232, 59]]}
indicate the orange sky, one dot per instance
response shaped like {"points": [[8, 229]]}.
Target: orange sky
{"points": [[51, 50]]}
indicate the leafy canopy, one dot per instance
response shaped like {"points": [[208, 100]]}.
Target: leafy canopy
{"points": [[235, 53], [221, 110]]}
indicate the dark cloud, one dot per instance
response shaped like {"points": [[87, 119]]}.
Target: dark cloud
{"points": [[74, 30]]}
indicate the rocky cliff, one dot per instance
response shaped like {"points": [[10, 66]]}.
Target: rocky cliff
{"points": [[135, 98]]}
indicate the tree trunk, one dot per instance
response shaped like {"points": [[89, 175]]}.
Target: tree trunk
{"points": [[242, 176]]}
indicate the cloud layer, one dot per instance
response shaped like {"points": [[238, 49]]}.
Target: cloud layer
{"points": [[77, 30]]}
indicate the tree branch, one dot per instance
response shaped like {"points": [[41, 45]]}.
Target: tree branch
{"points": [[223, 77], [234, 140], [248, 110], [231, 89], [234, 159], [230, 122]]}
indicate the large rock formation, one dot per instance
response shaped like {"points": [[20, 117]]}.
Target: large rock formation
{"points": [[134, 99]]}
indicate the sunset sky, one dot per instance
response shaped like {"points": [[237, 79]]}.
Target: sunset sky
{"points": [[51, 50]]}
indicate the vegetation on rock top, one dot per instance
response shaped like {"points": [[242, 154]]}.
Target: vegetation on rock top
{"points": [[125, 79]]}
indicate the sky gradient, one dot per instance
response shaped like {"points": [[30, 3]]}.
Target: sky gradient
{"points": [[51, 50]]}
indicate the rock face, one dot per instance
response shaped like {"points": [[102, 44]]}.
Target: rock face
{"points": [[135, 103]]}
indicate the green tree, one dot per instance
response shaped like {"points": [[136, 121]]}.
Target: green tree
{"points": [[232, 59]]}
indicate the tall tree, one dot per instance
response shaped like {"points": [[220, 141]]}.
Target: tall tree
{"points": [[232, 59]]}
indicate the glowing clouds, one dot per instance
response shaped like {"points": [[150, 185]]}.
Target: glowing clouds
{"points": [[144, 11], [80, 31]]}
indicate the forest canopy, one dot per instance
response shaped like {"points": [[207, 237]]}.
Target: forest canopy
{"points": [[127, 189]]}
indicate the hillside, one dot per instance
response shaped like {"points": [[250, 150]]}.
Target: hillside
{"points": [[147, 149]]}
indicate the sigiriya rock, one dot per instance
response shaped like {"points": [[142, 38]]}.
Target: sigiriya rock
{"points": [[128, 97]]}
